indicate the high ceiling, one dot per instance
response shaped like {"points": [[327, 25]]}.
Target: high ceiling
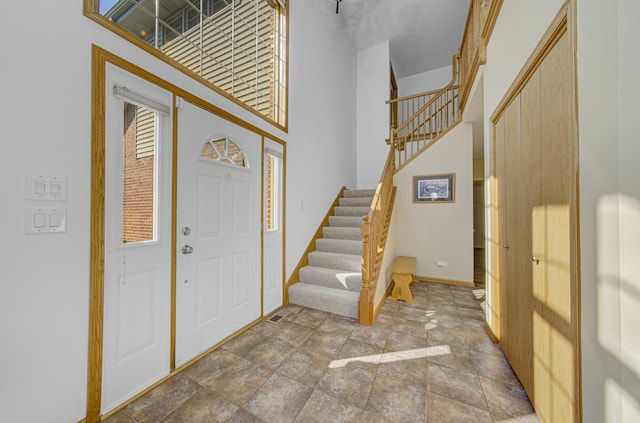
{"points": [[423, 34]]}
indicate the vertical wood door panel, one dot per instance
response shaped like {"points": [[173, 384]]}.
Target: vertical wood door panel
{"points": [[513, 200], [498, 307], [531, 162], [554, 277]]}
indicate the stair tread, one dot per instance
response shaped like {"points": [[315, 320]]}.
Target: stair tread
{"points": [[342, 241], [342, 246], [350, 211], [347, 262], [359, 193], [355, 201], [345, 221], [338, 301], [342, 232], [340, 255], [331, 278]]}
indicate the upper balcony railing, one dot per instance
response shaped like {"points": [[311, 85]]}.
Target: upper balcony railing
{"points": [[418, 120], [473, 50]]}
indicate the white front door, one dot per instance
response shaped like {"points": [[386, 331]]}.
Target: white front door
{"points": [[272, 225], [218, 230], [137, 274]]}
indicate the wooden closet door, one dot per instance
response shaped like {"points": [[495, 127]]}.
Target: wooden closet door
{"points": [[554, 244], [520, 287], [535, 167], [517, 287]]}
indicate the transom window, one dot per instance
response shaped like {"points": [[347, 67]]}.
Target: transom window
{"points": [[224, 150], [239, 46]]}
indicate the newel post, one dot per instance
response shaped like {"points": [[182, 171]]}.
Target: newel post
{"points": [[364, 315]]}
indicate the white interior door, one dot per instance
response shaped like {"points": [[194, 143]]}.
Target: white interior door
{"points": [[273, 283], [218, 222], [137, 275]]}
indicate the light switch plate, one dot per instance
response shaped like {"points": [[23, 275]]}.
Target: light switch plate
{"points": [[41, 220], [45, 187]]}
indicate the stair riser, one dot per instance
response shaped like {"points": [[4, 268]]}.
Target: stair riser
{"points": [[351, 281], [351, 211], [341, 233], [356, 202], [350, 193], [335, 301], [339, 246], [337, 261], [345, 221]]}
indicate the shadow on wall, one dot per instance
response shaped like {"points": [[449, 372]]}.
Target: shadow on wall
{"points": [[618, 302]]}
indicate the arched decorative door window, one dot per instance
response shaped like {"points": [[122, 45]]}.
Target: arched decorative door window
{"points": [[224, 150]]}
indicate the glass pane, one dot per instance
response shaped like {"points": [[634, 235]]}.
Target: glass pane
{"points": [[138, 174], [137, 17], [224, 150], [221, 146], [234, 44], [273, 188], [209, 153]]}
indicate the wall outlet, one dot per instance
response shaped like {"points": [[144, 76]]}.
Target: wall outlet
{"points": [[441, 263]]}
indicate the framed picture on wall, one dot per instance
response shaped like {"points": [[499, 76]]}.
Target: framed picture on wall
{"points": [[434, 188]]}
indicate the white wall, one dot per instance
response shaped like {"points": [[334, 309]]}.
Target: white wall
{"points": [[425, 81], [45, 126], [321, 153], [609, 209], [629, 175], [372, 113], [439, 232]]}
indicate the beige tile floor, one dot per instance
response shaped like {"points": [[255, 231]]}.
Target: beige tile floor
{"points": [[430, 361]]}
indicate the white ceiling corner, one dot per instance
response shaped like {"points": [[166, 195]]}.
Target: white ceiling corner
{"points": [[423, 34]]}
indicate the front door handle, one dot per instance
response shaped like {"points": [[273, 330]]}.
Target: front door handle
{"points": [[187, 249]]}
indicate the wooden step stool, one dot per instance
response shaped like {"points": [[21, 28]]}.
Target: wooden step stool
{"points": [[402, 269]]}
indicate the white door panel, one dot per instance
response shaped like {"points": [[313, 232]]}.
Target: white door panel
{"points": [[218, 290], [137, 274], [208, 290]]}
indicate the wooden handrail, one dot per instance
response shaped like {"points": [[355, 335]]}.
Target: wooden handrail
{"points": [[433, 113], [374, 229], [473, 49], [411, 97]]}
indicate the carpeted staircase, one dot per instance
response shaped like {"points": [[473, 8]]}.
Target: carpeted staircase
{"points": [[333, 278]]}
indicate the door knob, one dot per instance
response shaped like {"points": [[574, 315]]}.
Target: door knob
{"points": [[506, 246], [187, 249], [535, 259]]}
